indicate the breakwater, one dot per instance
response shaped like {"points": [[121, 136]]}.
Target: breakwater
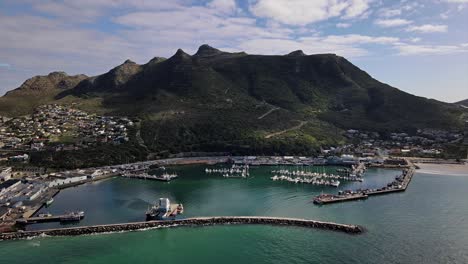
{"points": [[191, 222]]}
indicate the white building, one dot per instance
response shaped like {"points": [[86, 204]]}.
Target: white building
{"points": [[5, 174], [60, 182]]}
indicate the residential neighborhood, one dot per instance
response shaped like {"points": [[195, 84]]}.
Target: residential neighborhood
{"points": [[60, 127]]}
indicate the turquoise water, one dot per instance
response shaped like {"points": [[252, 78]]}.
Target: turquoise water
{"points": [[426, 224]]}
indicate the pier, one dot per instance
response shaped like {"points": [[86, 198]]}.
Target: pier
{"points": [[145, 176], [50, 218], [191, 222], [399, 185]]}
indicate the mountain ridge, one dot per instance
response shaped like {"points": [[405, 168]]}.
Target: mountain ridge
{"points": [[463, 102], [212, 100]]}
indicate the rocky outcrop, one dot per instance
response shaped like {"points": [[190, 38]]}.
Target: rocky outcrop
{"points": [[201, 221], [51, 83]]}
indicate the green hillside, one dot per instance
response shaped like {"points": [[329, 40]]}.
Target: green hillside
{"points": [[219, 101]]}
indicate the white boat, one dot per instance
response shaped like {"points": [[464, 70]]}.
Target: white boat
{"points": [[335, 183]]}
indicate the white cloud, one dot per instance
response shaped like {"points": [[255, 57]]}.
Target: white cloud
{"points": [[90, 10], [386, 12], [356, 8], [396, 22], [303, 12], [456, 1], [343, 25], [359, 39], [224, 6], [343, 45], [409, 49], [428, 28], [311, 45]]}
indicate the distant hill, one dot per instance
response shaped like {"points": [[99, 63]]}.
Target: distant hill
{"points": [[220, 101], [464, 103]]}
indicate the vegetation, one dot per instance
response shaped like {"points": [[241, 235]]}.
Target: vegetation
{"points": [[215, 101]]}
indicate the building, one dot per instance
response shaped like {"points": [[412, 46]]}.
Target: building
{"points": [[10, 184], [4, 211], [60, 182], [5, 174]]}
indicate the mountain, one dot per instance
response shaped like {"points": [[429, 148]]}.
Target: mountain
{"points": [[464, 103], [37, 90], [221, 101]]}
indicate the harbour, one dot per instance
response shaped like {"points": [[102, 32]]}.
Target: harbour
{"points": [[399, 185], [389, 217]]}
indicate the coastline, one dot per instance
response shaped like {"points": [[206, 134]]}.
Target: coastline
{"points": [[457, 170]]}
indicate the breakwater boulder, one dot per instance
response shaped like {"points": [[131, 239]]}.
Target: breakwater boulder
{"points": [[199, 221]]}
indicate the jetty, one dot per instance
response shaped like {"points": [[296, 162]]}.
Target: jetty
{"points": [[190, 222], [68, 217], [166, 177], [399, 185]]}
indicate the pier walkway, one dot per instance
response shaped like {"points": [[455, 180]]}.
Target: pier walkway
{"points": [[396, 186], [40, 219], [199, 221]]}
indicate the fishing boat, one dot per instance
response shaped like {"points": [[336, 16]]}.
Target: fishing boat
{"points": [[72, 217], [49, 202], [335, 183], [164, 210]]}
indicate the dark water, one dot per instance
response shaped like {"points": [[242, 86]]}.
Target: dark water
{"points": [[426, 224]]}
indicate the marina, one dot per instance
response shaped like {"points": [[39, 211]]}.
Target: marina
{"points": [[400, 184], [235, 171], [390, 217], [320, 177]]}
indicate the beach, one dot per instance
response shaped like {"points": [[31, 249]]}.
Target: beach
{"points": [[443, 169]]}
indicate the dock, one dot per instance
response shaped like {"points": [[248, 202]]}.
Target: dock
{"points": [[51, 218], [145, 176], [328, 199], [399, 185]]}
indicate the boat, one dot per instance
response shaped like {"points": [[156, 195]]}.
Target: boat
{"points": [[72, 217], [49, 202], [45, 215], [335, 183], [164, 210]]}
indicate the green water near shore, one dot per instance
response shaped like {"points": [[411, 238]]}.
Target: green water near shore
{"points": [[426, 224]]}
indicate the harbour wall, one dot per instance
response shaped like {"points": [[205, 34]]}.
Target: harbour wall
{"points": [[191, 222]]}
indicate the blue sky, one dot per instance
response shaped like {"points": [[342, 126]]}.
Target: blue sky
{"points": [[418, 46]]}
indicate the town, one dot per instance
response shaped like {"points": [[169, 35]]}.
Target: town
{"points": [[58, 127]]}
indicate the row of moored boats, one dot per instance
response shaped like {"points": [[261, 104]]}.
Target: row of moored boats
{"points": [[236, 171]]}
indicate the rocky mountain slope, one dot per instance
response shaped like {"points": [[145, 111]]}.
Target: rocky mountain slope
{"points": [[220, 101]]}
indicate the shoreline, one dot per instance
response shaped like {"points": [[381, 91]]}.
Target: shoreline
{"points": [[456, 170]]}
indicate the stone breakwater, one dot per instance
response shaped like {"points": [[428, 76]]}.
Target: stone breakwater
{"points": [[191, 222]]}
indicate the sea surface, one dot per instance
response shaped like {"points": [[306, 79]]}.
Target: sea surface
{"points": [[426, 224]]}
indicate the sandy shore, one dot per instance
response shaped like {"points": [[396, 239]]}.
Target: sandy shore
{"points": [[443, 169]]}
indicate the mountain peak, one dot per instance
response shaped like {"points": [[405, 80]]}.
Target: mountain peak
{"points": [[128, 61], [297, 53], [207, 50], [50, 83], [181, 52], [180, 55], [156, 60]]}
